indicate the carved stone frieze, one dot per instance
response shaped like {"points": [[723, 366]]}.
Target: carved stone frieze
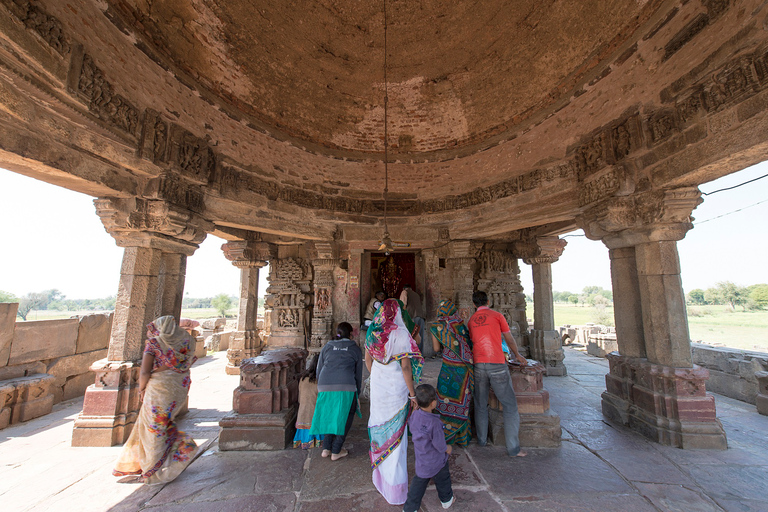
{"points": [[543, 249], [590, 157], [248, 254], [498, 275], [288, 297], [173, 188], [36, 19], [102, 101], [601, 187], [654, 215], [322, 312], [191, 155], [130, 220], [154, 145]]}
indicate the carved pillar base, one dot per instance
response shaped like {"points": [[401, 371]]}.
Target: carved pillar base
{"points": [[265, 404], [539, 426], [666, 404], [243, 345], [546, 347], [761, 400], [110, 406]]}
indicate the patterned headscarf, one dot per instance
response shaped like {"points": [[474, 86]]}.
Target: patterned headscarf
{"points": [[389, 336], [451, 332], [173, 341]]}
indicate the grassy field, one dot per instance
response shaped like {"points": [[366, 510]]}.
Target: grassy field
{"points": [[714, 325]]}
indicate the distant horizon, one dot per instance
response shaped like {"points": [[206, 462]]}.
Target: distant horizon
{"points": [[61, 244]]}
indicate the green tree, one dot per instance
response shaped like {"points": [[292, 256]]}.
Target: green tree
{"points": [[696, 296], [222, 302], [30, 302], [573, 299], [732, 294], [758, 294], [7, 297]]}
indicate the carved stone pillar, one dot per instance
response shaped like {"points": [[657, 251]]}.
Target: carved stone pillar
{"points": [[463, 263], [287, 300], [546, 345], [322, 284], [653, 386], [249, 256], [157, 238], [499, 276]]}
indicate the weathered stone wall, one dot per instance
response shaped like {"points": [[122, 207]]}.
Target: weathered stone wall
{"points": [[64, 349], [731, 371]]}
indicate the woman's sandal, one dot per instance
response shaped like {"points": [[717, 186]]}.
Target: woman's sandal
{"points": [[325, 453]]}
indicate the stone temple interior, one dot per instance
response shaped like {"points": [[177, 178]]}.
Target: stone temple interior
{"points": [[507, 123]]}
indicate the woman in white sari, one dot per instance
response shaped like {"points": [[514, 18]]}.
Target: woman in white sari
{"points": [[156, 451], [394, 361]]}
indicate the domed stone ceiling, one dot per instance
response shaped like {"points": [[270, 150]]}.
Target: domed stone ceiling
{"points": [[462, 75]]}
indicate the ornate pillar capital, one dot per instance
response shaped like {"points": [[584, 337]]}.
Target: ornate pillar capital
{"points": [[653, 216], [249, 253], [155, 224], [542, 249]]}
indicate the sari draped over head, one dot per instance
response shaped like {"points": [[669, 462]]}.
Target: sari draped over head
{"points": [[455, 384], [157, 450], [389, 341]]}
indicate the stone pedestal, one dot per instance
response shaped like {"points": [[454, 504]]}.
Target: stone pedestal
{"points": [[762, 392], [666, 404], [546, 346], [539, 426], [25, 398], [600, 345], [265, 403], [244, 345], [110, 406]]}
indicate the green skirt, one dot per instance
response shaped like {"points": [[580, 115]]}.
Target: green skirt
{"points": [[332, 411]]}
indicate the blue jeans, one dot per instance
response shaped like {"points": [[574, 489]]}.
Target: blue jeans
{"points": [[419, 486], [497, 376]]}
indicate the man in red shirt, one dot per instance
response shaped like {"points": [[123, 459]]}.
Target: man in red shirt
{"points": [[486, 328]]}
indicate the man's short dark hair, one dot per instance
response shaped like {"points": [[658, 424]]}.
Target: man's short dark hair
{"points": [[425, 394], [406, 286], [480, 299]]}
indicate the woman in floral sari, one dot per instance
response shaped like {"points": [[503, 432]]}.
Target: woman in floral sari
{"points": [[455, 383], [156, 451], [394, 361]]}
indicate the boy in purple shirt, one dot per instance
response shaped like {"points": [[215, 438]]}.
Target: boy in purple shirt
{"points": [[431, 451]]}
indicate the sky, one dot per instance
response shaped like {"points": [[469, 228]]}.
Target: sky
{"points": [[52, 238]]}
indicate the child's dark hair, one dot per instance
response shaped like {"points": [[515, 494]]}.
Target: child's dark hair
{"points": [[425, 394], [343, 330], [311, 370]]}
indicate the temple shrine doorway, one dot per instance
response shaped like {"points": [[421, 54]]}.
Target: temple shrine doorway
{"points": [[390, 272]]}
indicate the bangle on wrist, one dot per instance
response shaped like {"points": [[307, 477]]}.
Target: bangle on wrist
{"points": [[412, 397]]}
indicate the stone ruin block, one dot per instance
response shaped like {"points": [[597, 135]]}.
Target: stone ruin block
{"points": [[7, 324], [602, 344], [265, 403], [44, 339], [25, 398], [539, 426], [762, 392], [93, 332]]}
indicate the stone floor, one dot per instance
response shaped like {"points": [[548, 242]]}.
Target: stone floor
{"points": [[598, 467]]}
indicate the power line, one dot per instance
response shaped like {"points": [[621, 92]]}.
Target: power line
{"points": [[729, 213], [735, 186]]}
